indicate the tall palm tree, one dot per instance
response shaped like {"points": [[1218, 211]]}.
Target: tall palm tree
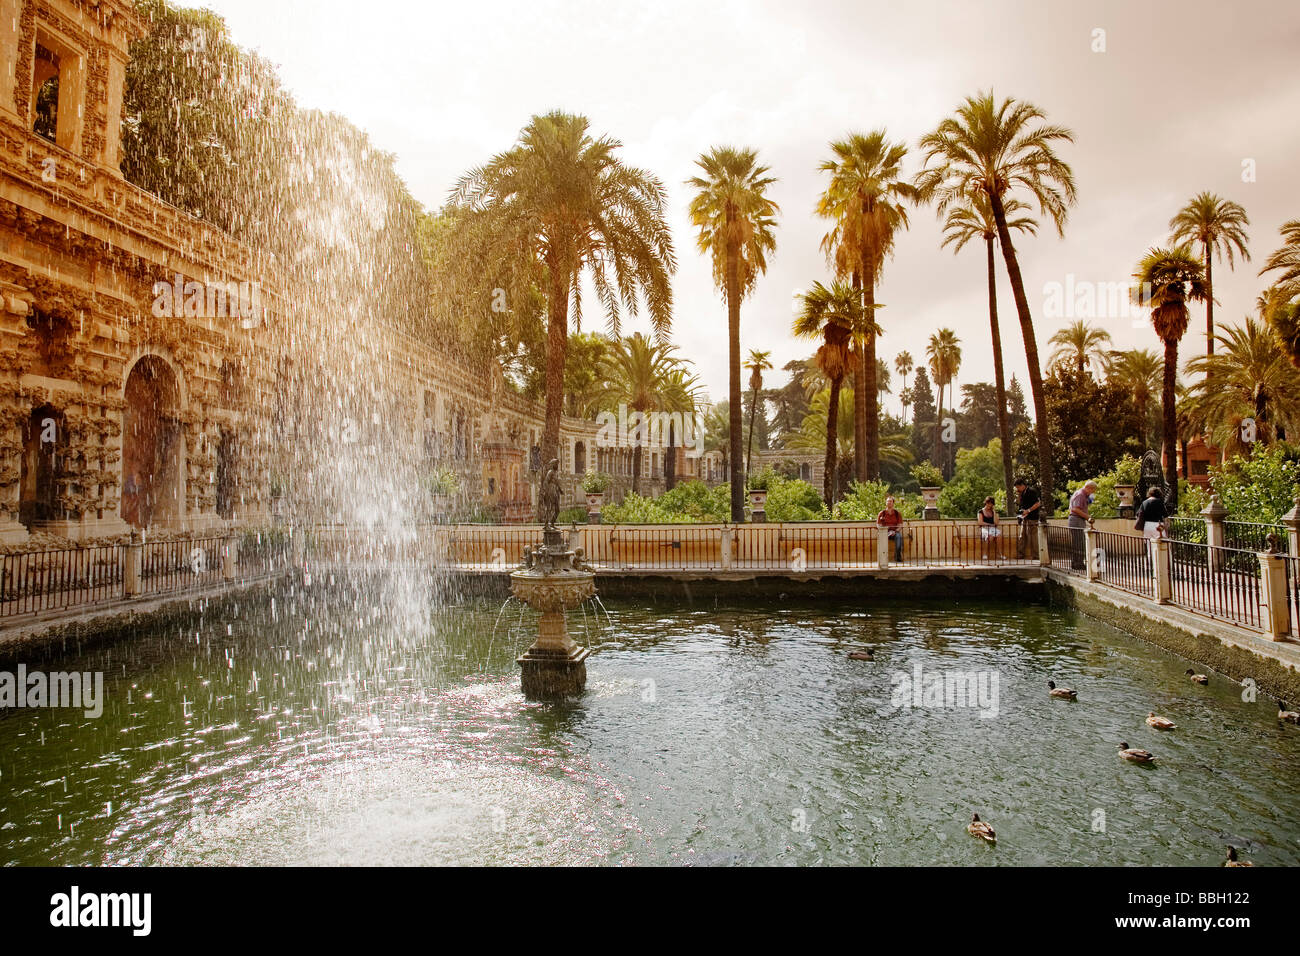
{"points": [[1252, 378], [1139, 372], [944, 352], [811, 434], [903, 365], [1282, 300], [638, 372], [736, 222], [999, 150], [1080, 344], [1167, 280], [680, 391], [882, 380], [760, 361], [1219, 225], [560, 197], [832, 314], [865, 199], [969, 219]]}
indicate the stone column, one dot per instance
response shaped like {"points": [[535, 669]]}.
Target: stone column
{"points": [[727, 541], [1214, 513], [1275, 612], [1161, 553], [230, 557], [131, 565], [1044, 552], [882, 546], [1292, 522], [1095, 557]]}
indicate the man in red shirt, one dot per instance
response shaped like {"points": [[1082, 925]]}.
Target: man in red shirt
{"points": [[893, 521]]}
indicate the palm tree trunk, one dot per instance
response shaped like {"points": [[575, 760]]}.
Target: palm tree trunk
{"points": [[1031, 351], [869, 403], [859, 399], [733, 350], [938, 420], [749, 453], [636, 468], [670, 462], [557, 341], [832, 435], [1004, 426], [1209, 304], [1168, 397]]}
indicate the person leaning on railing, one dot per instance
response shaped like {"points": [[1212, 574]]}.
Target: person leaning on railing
{"points": [[893, 521], [1030, 506], [1152, 513], [1079, 522]]}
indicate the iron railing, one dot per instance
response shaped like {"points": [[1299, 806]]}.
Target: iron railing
{"points": [[1124, 561], [1222, 583], [50, 580], [1067, 549]]}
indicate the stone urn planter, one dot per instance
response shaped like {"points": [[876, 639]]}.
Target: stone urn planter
{"points": [[1126, 506], [595, 501], [758, 505], [930, 498]]}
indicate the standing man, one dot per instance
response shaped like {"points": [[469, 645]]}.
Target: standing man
{"points": [[1030, 506], [892, 521], [1079, 522]]}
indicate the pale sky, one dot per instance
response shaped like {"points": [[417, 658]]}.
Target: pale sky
{"points": [[1183, 94]]}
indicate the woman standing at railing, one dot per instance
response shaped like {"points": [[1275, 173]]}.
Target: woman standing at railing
{"points": [[1151, 515]]}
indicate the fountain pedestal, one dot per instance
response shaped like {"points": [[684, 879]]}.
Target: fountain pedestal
{"points": [[552, 581]]}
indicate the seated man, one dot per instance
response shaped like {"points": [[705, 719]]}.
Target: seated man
{"points": [[893, 521]]}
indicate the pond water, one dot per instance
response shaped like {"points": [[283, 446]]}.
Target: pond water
{"points": [[330, 731]]}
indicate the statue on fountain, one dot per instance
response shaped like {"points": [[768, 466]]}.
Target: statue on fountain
{"points": [[552, 578], [548, 495]]}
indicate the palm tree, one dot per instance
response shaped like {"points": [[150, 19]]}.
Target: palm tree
{"points": [[832, 315], [811, 434], [997, 150], [1253, 379], [970, 219], [882, 380], [760, 361], [1139, 372], [944, 352], [638, 373], [865, 200], [1219, 226], [903, 365], [680, 391], [735, 220], [1167, 280], [1080, 344], [560, 197], [1282, 300]]}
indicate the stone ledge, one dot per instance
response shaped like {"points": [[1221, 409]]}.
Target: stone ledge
{"points": [[1233, 651]]}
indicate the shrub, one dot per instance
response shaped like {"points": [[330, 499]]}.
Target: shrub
{"points": [[1261, 487], [927, 476], [596, 482], [978, 475], [866, 499], [575, 515], [793, 499]]}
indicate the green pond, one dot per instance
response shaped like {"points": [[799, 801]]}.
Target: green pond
{"points": [[335, 729]]}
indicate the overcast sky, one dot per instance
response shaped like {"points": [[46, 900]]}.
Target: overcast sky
{"points": [[1183, 94]]}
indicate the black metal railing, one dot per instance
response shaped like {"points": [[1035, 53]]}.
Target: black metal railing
{"points": [[1124, 561], [49, 580], [1222, 583]]}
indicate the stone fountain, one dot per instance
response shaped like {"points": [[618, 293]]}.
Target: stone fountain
{"points": [[552, 579]]}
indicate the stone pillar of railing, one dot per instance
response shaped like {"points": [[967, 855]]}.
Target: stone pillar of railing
{"points": [[1292, 521], [1044, 549], [1214, 513], [1095, 556], [229, 557], [882, 547], [727, 539], [131, 565], [298, 542], [1161, 554], [1275, 610]]}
